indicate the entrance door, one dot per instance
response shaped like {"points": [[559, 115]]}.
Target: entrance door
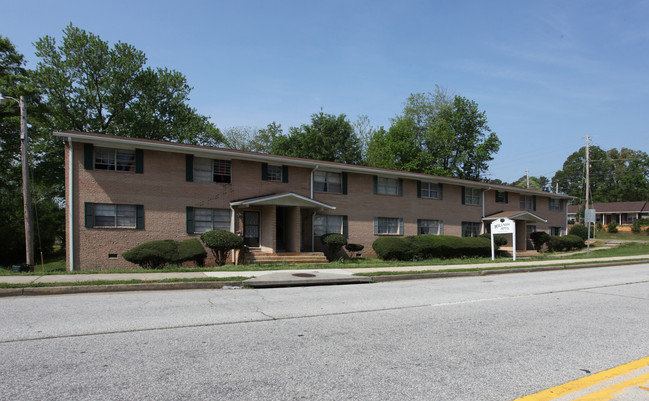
{"points": [[280, 231], [251, 229]]}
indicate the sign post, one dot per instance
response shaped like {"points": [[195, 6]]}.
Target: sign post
{"points": [[503, 226], [589, 217]]}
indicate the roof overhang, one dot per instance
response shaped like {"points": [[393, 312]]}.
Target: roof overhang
{"points": [[516, 215], [285, 199]]}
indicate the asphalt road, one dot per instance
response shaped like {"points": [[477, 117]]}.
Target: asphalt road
{"points": [[477, 338]]}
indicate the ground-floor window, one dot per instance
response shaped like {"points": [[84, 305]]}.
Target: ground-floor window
{"points": [[388, 226], [326, 224], [435, 227], [113, 215], [555, 230], [211, 219], [470, 229]]}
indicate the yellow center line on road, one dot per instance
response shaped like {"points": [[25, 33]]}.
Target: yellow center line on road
{"points": [[615, 390], [589, 381]]}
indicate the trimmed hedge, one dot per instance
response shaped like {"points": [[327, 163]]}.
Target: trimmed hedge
{"points": [[539, 238], [191, 250], [499, 240], [153, 254], [612, 227], [220, 243], [431, 246], [334, 242], [579, 230], [566, 243], [354, 247]]}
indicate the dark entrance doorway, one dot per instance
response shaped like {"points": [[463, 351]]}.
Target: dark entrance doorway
{"points": [[251, 229], [280, 228]]}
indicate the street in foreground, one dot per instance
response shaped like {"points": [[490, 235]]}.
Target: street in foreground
{"points": [[478, 338]]}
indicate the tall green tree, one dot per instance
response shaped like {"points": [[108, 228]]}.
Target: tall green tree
{"points": [[328, 137], [436, 134], [538, 183]]}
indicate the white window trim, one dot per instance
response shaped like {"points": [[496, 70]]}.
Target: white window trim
{"points": [[429, 184], [399, 226]]}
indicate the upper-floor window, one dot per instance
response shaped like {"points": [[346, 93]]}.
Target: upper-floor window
{"points": [[501, 197], [556, 204], [435, 227], [209, 170], [430, 190], [274, 173], [387, 186], [271, 172], [326, 181], [471, 196], [527, 202], [114, 159]]}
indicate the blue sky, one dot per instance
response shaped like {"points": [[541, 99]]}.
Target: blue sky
{"points": [[547, 73]]}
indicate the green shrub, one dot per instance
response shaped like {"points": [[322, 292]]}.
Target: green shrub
{"points": [[191, 250], [612, 227], [393, 248], [499, 240], [599, 226], [566, 243], [636, 227], [353, 248], [220, 243], [579, 230], [153, 254], [539, 238], [333, 242]]}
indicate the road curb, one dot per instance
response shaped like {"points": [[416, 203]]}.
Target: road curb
{"points": [[81, 289], [423, 276]]}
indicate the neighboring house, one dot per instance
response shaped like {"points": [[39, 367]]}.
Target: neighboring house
{"points": [[619, 212], [122, 191]]}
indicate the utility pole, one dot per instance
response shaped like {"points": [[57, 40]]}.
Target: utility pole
{"points": [[527, 173], [587, 171], [27, 195]]}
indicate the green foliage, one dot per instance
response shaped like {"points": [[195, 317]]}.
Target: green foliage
{"points": [[334, 242], [353, 248], [565, 243], [499, 240], [328, 137], [430, 246], [612, 227], [538, 183], [636, 227], [153, 254], [191, 250], [220, 243], [599, 226], [539, 238], [579, 230], [436, 134]]}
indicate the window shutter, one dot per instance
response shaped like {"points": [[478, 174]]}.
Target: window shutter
{"points": [[441, 227], [561, 204], [441, 191], [264, 171], [89, 214], [463, 191], [284, 173], [190, 220], [506, 197], [418, 189], [376, 184], [189, 168], [88, 157], [534, 202], [139, 216], [401, 226], [344, 177], [345, 227], [376, 225], [400, 190], [139, 161]]}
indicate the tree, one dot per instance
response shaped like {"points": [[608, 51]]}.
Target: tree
{"points": [[436, 134], [89, 86], [538, 183], [328, 137], [265, 138]]}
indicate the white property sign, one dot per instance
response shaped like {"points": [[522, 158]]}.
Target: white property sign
{"points": [[503, 226]]}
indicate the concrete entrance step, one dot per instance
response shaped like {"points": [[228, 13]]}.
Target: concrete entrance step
{"points": [[256, 257], [304, 278]]}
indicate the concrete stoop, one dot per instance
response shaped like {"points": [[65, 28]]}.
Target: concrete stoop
{"points": [[294, 258]]}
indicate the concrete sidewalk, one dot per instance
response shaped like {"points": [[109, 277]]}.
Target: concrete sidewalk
{"points": [[283, 278]]}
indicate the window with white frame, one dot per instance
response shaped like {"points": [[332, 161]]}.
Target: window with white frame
{"points": [[326, 224], [555, 230], [115, 215], [472, 196], [387, 186], [388, 226], [470, 229], [209, 170], [274, 173], [556, 204], [114, 159], [211, 219], [527, 202], [327, 181], [434, 227], [430, 190]]}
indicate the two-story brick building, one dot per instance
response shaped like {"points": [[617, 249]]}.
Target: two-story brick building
{"points": [[122, 191]]}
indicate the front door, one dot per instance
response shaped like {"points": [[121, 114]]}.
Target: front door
{"points": [[280, 232], [251, 229]]}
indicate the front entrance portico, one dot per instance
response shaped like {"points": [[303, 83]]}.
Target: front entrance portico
{"points": [[525, 222]]}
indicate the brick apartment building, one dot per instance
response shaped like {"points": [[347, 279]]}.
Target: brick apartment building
{"points": [[122, 191]]}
